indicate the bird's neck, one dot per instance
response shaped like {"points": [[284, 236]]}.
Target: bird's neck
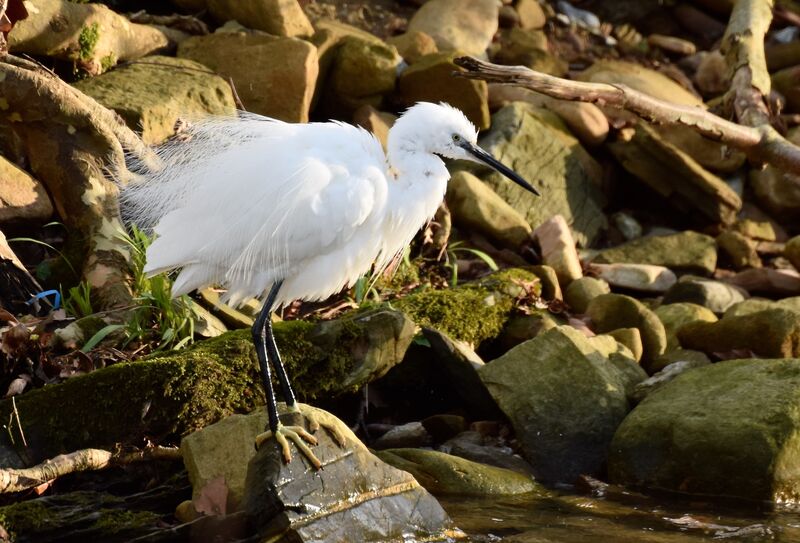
{"points": [[410, 166]]}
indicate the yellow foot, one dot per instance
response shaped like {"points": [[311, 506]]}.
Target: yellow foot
{"points": [[298, 435], [318, 418]]}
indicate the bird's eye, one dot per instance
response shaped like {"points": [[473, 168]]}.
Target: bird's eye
{"points": [[456, 138]]}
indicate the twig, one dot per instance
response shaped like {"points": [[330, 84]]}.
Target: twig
{"points": [[17, 480], [761, 144], [19, 424]]}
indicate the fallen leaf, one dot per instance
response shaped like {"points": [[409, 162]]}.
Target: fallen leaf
{"points": [[213, 497], [18, 385]]}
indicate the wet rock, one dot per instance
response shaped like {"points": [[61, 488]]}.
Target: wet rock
{"points": [[377, 122], [707, 153], [22, 198], [281, 90], [778, 191], [529, 48], [715, 295], [541, 150], [558, 249], [411, 434], [356, 497], [734, 417], [674, 316], [565, 399], [611, 311], [767, 281], [631, 338], [152, 95], [531, 15], [586, 121], [581, 291], [739, 249], [443, 474], [768, 333], [430, 79], [792, 252], [461, 364], [550, 287], [475, 205], [443, 427], [462, 25], [413, 45], [684, 252], [665, 375], [277, 17], [641, 277], [470, 445], [787, 82]]}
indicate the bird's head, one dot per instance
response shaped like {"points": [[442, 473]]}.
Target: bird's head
{"points": [[444, 130]]}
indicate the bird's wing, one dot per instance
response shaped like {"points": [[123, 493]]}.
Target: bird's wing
{"points": [[283, 194]]}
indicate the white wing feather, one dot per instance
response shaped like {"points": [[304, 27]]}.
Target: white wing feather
{"points": [[248, 201]]}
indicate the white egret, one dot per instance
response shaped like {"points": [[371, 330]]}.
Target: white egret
{"points": [[294, 212]]}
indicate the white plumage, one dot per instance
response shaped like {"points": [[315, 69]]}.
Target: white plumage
{"points": [[249, 201]]}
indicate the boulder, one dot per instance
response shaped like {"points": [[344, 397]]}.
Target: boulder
{"points": [[413, 45], [565, 395], [521, 328], [694, 358], [281, 90], [430, 79], [682, 252], [754, 305], [22, 198], [762, 230], [150, 96], [548, 279], [410, 434], [664, 376], [779, 191], [641, 277], [787, 82], [444, 426], [739, 249], [611, 311], [470, 445], [715, 295], [630, 338], [458, 25], [529, 48], [475, 205], [581, 291], [728, 429], [355, 497], [558, 249], [769, 333], [627, 225], [768, 281], [538, 145], [377, 122], [442, 474], [277, 17], [675, 316], [531, 15]]}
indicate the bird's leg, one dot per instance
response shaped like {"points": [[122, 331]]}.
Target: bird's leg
{"points": [[265, 342]]}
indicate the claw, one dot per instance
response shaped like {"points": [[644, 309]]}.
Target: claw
{"points": [[298, 435]]}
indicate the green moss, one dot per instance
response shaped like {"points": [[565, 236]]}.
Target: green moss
{"points": [[115, 521], [87, 41], [24, 518], [108, 62]]}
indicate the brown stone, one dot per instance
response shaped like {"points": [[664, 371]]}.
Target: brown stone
{"points": [[22, 198]]}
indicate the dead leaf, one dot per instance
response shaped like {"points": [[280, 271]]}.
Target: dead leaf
{"points": [[14, 339], [42, 488], [18, 385], [213, 497]]}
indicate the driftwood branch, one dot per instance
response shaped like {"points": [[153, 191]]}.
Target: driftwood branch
{"points": [[761, 144], [17, 480]]}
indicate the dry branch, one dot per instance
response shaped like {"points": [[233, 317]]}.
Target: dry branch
{"points": [[17, 480], [761, 144]]}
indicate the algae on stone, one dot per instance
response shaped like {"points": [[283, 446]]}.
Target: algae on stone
{"points": [[685, 251]]}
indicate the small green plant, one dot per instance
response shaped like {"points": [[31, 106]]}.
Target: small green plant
{"points": [[452, 259], [78, 301], [87, 41]]}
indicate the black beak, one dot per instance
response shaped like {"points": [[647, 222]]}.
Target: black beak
{"points": [[498, 166]]}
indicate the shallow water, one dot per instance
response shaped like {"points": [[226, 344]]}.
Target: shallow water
{"points": [[568, 518]]}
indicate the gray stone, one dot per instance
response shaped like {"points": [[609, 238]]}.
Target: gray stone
{"points": [[754, 305], [564, 398], [277, 17], [682, 252], [767, 281], [152, 95], [714, 295], [627, 224], [443, 474], [356, 497], [695, 358], [611, 311], [581, 291], [411, 434], [470, 445], [458, 25], [537, 144], [475, 205], [728, 429], [273, 76], [22, 198], [641, 277]]}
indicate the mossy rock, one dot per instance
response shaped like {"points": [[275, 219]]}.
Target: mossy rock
{"points": [[728, 429], [442, 473], [171, 394], [683, 252], [674, 316]]}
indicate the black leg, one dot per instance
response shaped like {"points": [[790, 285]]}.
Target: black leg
{"points": [[272, 349], [259, 339]]}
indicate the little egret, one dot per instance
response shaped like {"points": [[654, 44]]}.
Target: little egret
{"points": [[294, 212]]}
